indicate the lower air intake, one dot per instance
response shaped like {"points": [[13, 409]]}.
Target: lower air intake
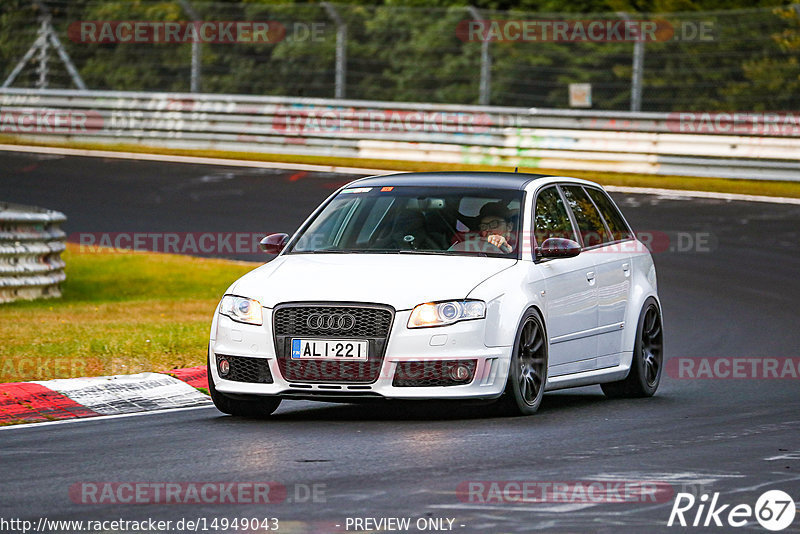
{"points": [[242, 369], [434, 373]]}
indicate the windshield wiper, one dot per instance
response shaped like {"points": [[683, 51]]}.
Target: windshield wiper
{"points": [[318, 251], [411, 251], [387, 251], [339, 251]]}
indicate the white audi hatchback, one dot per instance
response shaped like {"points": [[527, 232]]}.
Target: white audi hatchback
{"points": [[490, 286]]}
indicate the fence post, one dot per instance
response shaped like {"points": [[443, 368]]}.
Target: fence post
{"points": [[486, 64], [45, 37], [44, 54], [197, 52], [341, 50], [637, 71]]}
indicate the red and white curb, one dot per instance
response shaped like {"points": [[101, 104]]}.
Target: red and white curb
{"points": [[71, 398]]}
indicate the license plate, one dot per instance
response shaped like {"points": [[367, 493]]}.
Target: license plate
{"points": [[329, 349]]}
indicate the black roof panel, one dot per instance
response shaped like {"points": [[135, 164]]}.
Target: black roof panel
{"points": [[496, 180]]}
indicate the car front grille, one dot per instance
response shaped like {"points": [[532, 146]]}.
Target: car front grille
{"points": [[431, 373], [242, 369], [370, 322]]}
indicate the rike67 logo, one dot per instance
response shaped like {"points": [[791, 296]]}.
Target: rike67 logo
{"points": [[774, 510]]}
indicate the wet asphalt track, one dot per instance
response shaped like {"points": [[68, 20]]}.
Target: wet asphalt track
{"points": [[736, 296]]}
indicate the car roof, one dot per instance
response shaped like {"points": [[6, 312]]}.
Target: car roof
{"points": [[496, 180]]}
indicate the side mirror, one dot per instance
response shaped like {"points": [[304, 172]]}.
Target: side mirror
{"points": [[274, 243], [557, 247]]}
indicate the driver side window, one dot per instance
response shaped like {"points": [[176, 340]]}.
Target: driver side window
{"points": [[551, 218]]}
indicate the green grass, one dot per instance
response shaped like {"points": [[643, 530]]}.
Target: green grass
{"points": [[743, 186], [120, 313]]}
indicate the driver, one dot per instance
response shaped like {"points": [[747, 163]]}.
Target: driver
{"points": [[494, 231], [495, 225]]}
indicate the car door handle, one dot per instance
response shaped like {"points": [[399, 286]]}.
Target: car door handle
{"points": [[590, 277], [626, 268]]}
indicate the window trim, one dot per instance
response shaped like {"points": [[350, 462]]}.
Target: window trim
{"points": [[583, 247], [575, 234], [575, 226], [631, 233], [602, 219]]}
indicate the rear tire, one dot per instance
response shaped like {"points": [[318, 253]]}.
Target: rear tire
{"points": [[256, 407], [527, 373], [648, 357]]}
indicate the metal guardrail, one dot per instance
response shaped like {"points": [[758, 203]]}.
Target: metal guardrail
{"points": [[755, 146], [31, 243]]}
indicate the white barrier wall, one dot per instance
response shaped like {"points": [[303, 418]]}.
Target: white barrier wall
{"points": [[741, 145], [31, 243]]}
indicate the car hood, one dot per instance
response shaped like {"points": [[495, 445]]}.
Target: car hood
{"points": [[400, 280]]}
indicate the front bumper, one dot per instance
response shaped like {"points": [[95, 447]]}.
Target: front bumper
{"points": [[461, 341]]}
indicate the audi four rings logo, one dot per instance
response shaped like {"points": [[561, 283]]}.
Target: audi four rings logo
{"points": [[341, 322]]}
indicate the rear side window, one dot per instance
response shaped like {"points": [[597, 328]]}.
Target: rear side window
{"points": [[590, 223], [551, 218], [619, 229]]}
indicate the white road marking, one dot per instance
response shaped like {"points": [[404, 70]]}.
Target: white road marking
{"points": [[552, 508], [62, 151], [102, 418], [788, 456], [764, 484], [686, 476], [680, 194], [666, 193]]}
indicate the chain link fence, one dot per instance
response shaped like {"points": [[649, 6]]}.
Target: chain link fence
{"points": [[731, 60]]}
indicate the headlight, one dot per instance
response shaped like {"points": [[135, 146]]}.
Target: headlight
{"points": [[241, 309], [443, 313]]}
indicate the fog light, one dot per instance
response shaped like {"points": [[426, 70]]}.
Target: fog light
{"points": [[224, 367], [459, 373]]}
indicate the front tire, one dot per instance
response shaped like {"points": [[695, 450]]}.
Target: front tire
{"points": [[256, 407], [648, 357], [527, 373]]}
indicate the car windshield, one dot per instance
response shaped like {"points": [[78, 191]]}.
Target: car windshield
{"points": [[424, 220]]}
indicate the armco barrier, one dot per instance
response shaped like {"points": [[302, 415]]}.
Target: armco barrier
{"points": [[31, 243], [744, 145]]}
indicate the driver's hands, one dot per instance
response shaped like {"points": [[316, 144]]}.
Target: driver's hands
{"points": [[500, 242]]}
